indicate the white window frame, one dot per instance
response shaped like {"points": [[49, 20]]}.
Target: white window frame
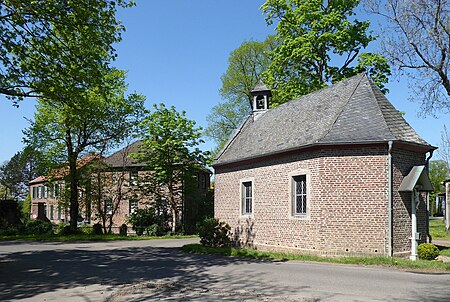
{"points": [[292, 194], [133, 208], [242, 198]]}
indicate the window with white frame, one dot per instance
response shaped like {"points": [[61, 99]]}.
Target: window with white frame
{"points": [[134, 177], [247, 198], [108, 206], [51, 212], [133, 206], [299, 202]]}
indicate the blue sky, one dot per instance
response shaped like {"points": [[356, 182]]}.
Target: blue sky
{"points": [[175, 52]]}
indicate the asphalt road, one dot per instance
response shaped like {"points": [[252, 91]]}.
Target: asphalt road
{"points": [[157, 271]]}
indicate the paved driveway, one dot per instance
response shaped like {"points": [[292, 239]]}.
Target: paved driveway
{"points": [[156, 270]]}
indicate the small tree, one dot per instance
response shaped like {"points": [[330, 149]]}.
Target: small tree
{"points": [[170, 153]]}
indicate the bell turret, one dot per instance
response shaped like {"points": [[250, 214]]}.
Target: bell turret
{"points": [[261, 98]]}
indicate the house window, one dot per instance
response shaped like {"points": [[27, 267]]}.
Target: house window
{"points": [[34, 192], [51, 212], [44, 188], [52, 190], [133, 206], [59, 212], [247, 198], [134, 178], [42, 192], [299, 195], [108, 206]]}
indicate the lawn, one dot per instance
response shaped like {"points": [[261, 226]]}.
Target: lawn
{"points": [[437, 230], [420, 265]]}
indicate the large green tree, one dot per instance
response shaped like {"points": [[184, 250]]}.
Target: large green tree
{"points": [[56, 48], [415, 36], [319, 43], [66, 132], [170, 151], [245, 67], [439, 171]]}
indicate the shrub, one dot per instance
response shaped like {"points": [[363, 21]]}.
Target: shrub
{"points": [[123, 230], [152, 230], [427, 251], [10, 231], [97, 229], [214, 233], [37, 227], [141, 219]]}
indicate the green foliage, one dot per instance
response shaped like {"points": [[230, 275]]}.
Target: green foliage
{"points": [[214, 233], [57, 48], [318, 45], [245, 67], [169, 149], [11, 177], [97, 229], [64, 133], [26, 207], [439, 171], [37, 227], [142, 219], [427, 251]]}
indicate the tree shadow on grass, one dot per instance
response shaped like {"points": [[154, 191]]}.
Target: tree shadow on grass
{"points": [[27, 274]]}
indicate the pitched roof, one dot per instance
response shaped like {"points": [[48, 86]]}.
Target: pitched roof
{"points": [[121, 158], [64, 171], [349, 112], [260, 86]]}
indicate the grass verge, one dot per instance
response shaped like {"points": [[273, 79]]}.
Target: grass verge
{"points": [[420, 265], [88, 237], [437, 230]]}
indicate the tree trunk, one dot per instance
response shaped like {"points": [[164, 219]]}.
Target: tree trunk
{"points": [[73, 181], [73, 184]]}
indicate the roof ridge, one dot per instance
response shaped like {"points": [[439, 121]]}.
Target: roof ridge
{"points": [[371, 84], [233, 137], [343, 107]]}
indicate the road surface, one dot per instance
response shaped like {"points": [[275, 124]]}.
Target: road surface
{"points": [[157, 271]]}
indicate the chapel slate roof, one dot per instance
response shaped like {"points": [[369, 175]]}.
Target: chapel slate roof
{"points": [[353, 111]]}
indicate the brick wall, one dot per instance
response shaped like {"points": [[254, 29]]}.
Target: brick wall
{"points": [[402, 163], [347, 202]]}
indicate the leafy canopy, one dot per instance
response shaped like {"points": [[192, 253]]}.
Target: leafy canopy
{"points": [[318, 44], [66, 132], [245, 67], [169, 150], [56, 49]]}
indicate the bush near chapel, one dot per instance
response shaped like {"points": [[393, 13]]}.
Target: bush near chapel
{"points": [[214, 233], [427, 251]]}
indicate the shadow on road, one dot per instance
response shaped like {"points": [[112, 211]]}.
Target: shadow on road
{"points": [[27, 274]]}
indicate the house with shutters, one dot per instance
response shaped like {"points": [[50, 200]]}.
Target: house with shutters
{"points": [[335, 172]]}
